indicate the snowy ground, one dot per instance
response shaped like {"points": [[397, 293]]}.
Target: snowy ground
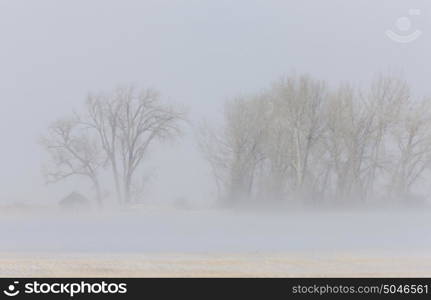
{"points": [[213, 265], [211, 243]]}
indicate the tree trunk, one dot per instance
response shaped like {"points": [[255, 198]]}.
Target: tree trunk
{"points": [[98, 193], [127, 189], [116, 181]]}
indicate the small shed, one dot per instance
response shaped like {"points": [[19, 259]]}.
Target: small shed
{"points": [[75, 201]]}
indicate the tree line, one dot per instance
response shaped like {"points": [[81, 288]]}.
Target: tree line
{"points": [[303, 142], [300, 141]]}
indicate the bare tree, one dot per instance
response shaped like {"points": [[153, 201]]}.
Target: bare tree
{"points": [[299, 126], [217, 154], [350, 133], [102, 116], [386, 100], [235, 152], [412, 137], [127, 122], [73, 152]]}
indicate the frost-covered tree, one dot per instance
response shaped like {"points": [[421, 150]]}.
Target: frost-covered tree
{"points": [[303, 141], [235, 151]]}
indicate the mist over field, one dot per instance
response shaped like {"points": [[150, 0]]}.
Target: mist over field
{"points": [[204, 136], [209, 232]]}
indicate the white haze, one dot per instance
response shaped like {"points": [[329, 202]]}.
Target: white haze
{"points": [[198, 54], [312, 233]]}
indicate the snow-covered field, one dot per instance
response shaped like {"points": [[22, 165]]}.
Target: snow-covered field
{"points": [[215, 243], [214, 265]]}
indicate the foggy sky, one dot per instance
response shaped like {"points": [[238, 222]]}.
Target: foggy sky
{"points": [[197, 53]]}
